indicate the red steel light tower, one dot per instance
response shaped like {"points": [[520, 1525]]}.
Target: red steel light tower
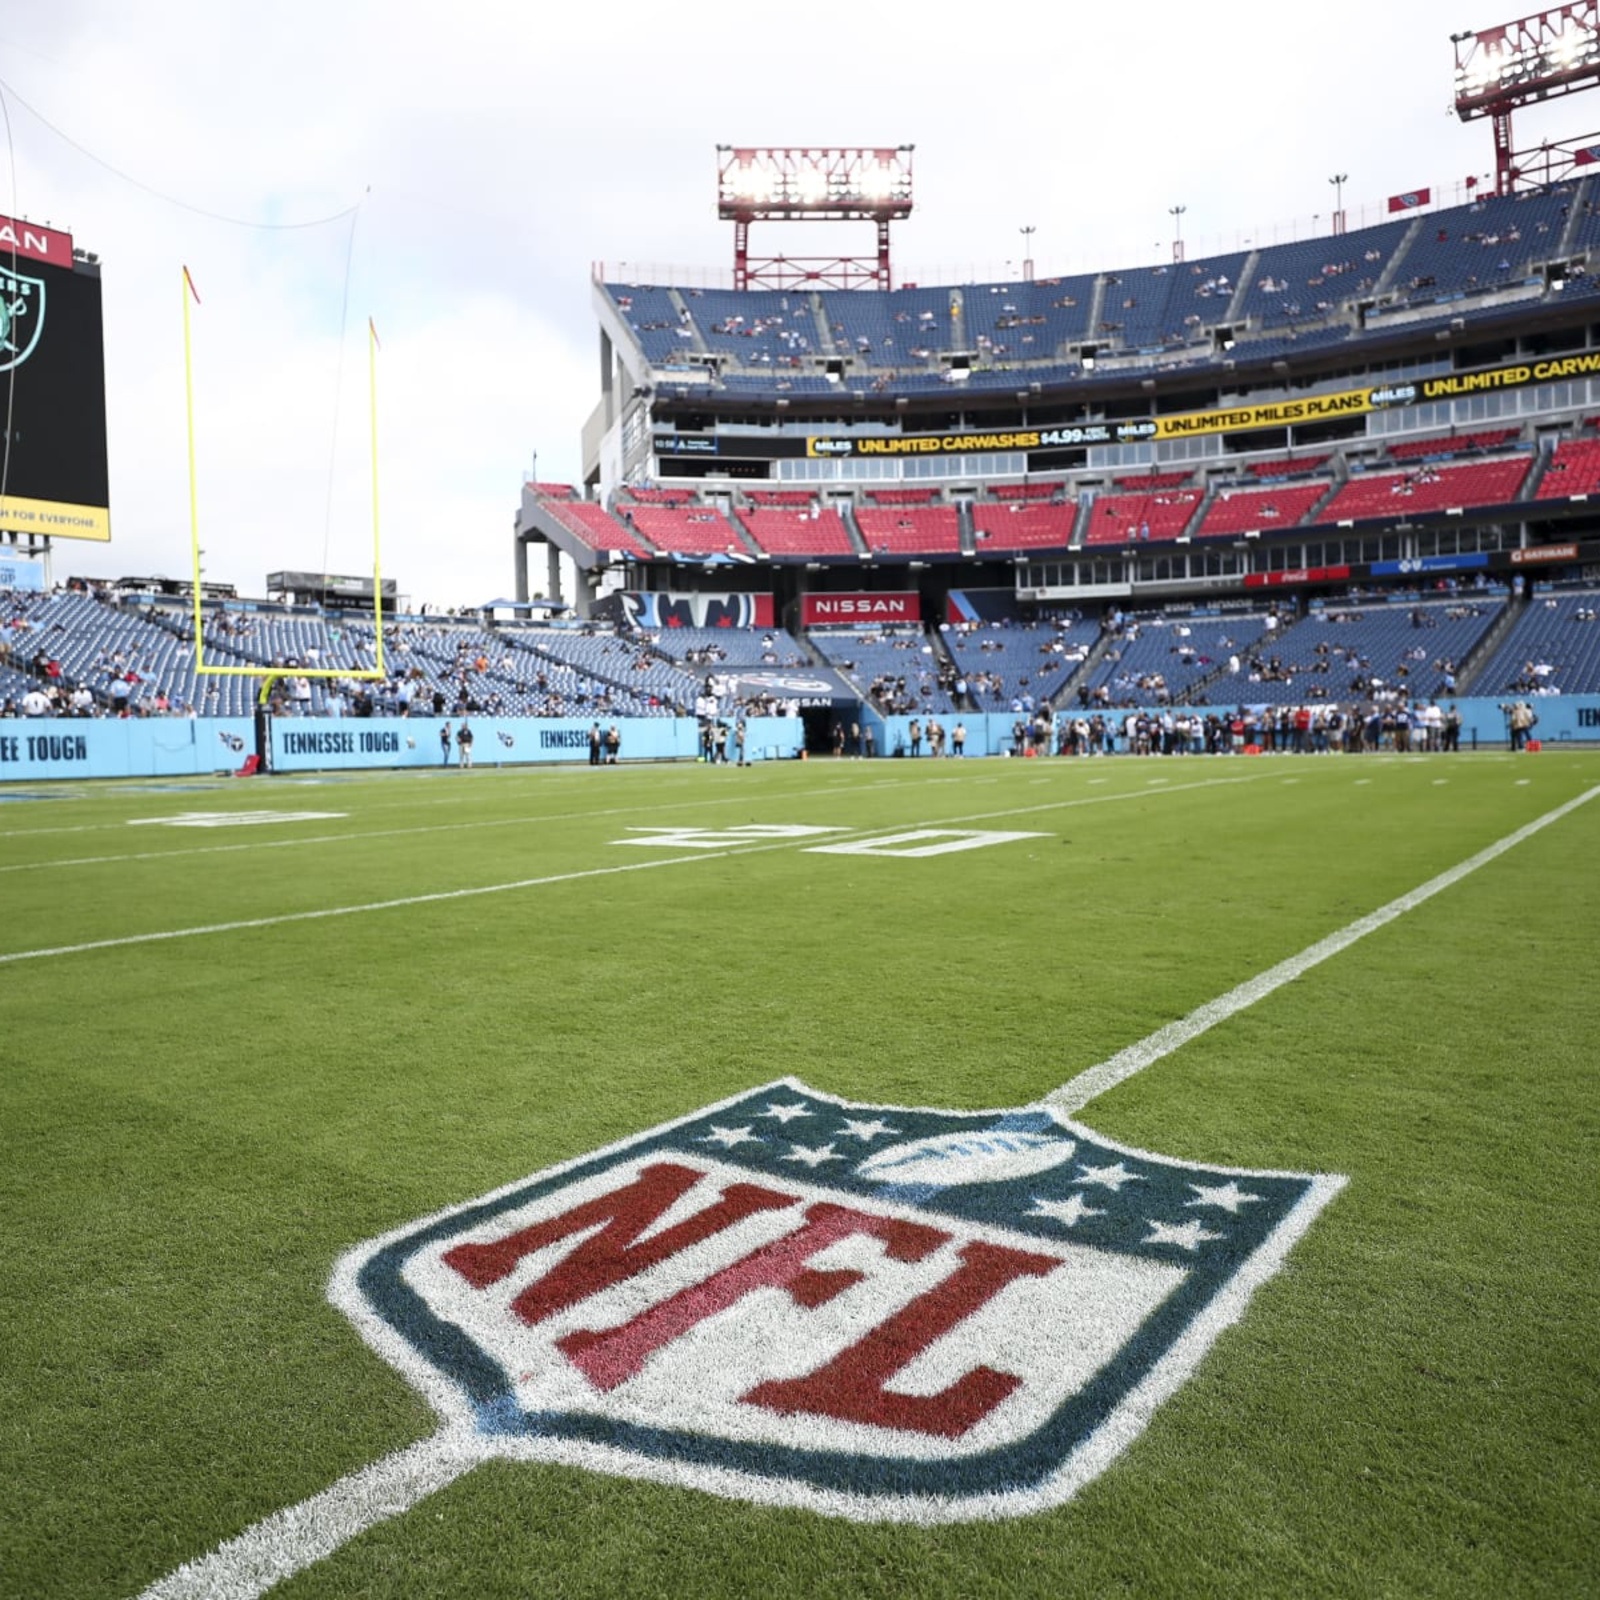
{"points": [[1542, 57], [813, 185]]}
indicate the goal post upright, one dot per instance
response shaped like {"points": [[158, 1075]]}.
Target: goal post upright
{"points": [[269, 675]]}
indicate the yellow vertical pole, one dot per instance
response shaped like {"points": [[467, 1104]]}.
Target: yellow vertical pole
{"points": [[194, 503], [377, 564]]}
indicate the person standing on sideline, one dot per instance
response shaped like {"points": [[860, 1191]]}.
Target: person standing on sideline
{"points": [[738, 742], [444, 745], [916, 737], [594, 744], [613, 745], [464, 744], [958, 739]]}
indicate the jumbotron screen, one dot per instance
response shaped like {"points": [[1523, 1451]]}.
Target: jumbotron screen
{"points": [[52, 386]]}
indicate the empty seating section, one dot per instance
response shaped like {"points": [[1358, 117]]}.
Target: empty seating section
{"points": [[655, 321], [1305, 281], [903, 497], [639, 495], [594, 526], [1288, 466], [1023, 526], [897, 663], [910, 530], [98, 645], [1236, 511], [1011, 322], [1140, 518], [1297, 297], [902, 327], [573, 665], [1573, 469], [1005, 663], [1024, 491], [1497, 240], [779, 497], [765, 328], [685, 530], [1163, 661], [1345, 654], [1148, 481], [798, 533], [555, 491], [1410, 494], [711, 648], [1415, 449], [1553, 645]]}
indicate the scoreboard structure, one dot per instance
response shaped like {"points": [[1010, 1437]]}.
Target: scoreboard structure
{"points": [[53, 478]]}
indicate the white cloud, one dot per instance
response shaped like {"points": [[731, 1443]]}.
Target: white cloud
{"points": [[506, 149]]}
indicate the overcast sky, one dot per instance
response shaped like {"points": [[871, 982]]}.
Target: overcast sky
{"points": [[493, 152]]}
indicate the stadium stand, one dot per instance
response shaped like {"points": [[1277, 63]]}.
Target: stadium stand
{"points": [[1552, 647], [1124, 519], [892, 667], [910, 530], [1164, 661], [1238, 511], [784, 532], [1000, 529], [1010, 666], [1413, 493], [1573, 469], [1346, 653]]}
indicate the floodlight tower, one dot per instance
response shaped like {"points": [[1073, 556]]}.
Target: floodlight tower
{"points": [[867, 184], [1542, 57]]}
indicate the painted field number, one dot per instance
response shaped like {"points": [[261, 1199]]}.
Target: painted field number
{"points": [[922, 842]]}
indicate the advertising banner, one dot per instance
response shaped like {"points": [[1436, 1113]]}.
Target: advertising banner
{"points": [[854, 610]]}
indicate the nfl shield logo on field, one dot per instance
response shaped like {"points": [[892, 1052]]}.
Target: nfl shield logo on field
{"points": [[876, 1312]]}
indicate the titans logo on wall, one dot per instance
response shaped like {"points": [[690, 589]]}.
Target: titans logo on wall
{"points": [[876, 1312]]}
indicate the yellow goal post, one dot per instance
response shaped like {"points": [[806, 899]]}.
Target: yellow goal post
{"points": [[270, 675]]}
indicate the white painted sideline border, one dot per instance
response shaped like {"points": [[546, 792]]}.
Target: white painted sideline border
{"points": [[1096, 1080], [286, 1542]]}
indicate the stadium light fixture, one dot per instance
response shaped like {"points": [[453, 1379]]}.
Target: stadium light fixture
{"points": [[813, 183], [1553, 53]]}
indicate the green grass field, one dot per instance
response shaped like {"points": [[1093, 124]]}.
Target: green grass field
{"points": [[196, 1125]]}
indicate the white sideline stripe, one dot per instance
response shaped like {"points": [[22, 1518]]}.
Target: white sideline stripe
{"points": [[280, 1545], [287, 917], [1079, 1091]]}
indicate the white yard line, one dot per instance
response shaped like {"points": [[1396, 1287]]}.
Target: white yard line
{"points": [[1095, 1081], [281, 1545], [277, 1547], [283, 919]]}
